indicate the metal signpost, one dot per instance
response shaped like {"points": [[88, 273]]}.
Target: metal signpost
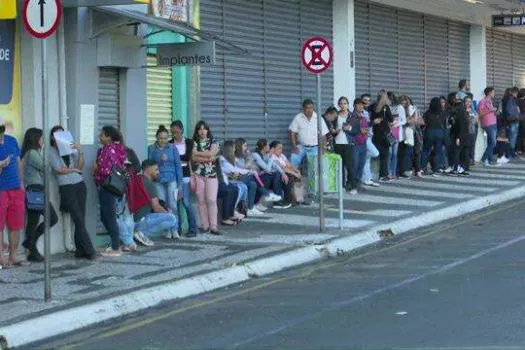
{"points": [[41, 18], [317, 56]]}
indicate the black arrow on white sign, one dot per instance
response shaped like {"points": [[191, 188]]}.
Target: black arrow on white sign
{"points": [[41, 3]]}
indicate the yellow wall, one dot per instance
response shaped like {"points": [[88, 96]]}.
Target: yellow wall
{"points": [[11, 112]]}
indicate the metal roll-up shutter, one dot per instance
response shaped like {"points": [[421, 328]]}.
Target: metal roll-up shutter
{"points": [[518, 60], [281, 50], [503, 75], [384, 59], [436, 57], [108, 97], [159, 97], [458, 53], [316, 20], [489, 38], [245, 100], [412, 53], [212, 83], [362, 48]]}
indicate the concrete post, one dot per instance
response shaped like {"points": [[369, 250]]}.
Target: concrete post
{"points": [[478, 75], [344, 49]]}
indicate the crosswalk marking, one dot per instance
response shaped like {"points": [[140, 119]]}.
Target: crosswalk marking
{"points": [[312, 221], [419, 192], [414, 183], [388, 200], [471, 180], [497, 176], [382, 213]]}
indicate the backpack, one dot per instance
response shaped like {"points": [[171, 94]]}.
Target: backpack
{"points": [[138, 196]]}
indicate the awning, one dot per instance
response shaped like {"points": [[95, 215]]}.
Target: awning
{"points": [[177, 27]]}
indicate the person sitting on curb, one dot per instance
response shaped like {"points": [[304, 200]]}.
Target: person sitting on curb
{"points": [[153, 217]]}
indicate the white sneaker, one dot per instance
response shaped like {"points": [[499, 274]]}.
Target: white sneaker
{"points": [[353, 192], [272, 197], [448, 170], [486, 163], [254, 212], [175, 235], [503, 160], [142, 239], [369, 183], [168, 235], [260, 207]]}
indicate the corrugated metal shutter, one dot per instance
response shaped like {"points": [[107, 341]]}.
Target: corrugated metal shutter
{"points": [[502, 63], [409, 53], [412, 53], [490, 56], [108, 97], [518, 60], [257, 96], [160, 98]]}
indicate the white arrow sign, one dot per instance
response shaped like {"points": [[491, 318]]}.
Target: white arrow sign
{"points": [[41, 17]]}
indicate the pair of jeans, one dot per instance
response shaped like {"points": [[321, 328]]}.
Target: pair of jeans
{"points": [[433, 140], [512, 135], [359, 161], [392, 158], [125, 221], [472, 149], [34, 230], [73, 201], [154, 223], [207, 188], [492, 132], [384, 151], [371, 152], [461, 157], [249, 181], [229, 194], [347, 155], [409, 159], [108, 215], [185, 203], [242, 194], [297, 159], [168, 192], [272, 181]]}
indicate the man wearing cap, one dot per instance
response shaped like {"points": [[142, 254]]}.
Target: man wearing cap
{"points": [[12, 194]]}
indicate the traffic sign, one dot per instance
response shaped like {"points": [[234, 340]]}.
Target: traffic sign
{"points": [[41, 17], [317, 55], [7, 9]]}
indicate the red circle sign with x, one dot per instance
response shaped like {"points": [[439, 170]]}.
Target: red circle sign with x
{"points": [[317, 55]]}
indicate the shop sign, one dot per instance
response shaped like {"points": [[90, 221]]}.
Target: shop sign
{"points": [[7, 9], [7, 60], [508, 20], [186, 54], [88, 3]]}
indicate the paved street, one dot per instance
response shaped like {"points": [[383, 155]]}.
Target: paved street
{"points": [[455, 286]]}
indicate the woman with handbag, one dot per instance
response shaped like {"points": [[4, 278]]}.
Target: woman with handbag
{"points": [[34, 169], [169, 184], [203, 157], [73, 193], [185, 147], [381, 119], [108, 169]]}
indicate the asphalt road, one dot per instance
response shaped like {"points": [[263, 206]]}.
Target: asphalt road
{"points": [[456, 286]]}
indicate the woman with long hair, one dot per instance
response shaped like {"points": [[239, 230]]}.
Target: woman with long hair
{"points": [[381, 118], [398, 133], [343, 146], [204, 159], [169, 184], [185, 147], [34, 170], [73, 193], [434, 137], [112, 154]]}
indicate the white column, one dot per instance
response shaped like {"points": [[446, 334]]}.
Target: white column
{"points": [[478, 75], [344, 49]]}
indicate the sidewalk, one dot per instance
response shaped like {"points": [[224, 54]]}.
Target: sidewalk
{"points": [[85, 293]]}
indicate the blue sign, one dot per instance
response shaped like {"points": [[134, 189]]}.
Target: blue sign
{"points": [[7, 60]]}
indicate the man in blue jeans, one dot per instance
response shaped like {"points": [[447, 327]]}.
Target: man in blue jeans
{"points": [[153, 217]]}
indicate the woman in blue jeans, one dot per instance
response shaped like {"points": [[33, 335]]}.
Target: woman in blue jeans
{"points": [[169, 184], [185, 147], [434, 134]]}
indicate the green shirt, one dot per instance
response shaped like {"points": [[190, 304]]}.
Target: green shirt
{"points": [[33, 168], [152, 192]]}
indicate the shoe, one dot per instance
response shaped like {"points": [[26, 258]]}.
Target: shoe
{"points": [[464, 173], [190, 235], [228, 222], [202, 230], [353, 192], [216, 232], [384, 179], [261, 208], [175, 235], [110, 252], [142, 239], [130, 248], [404, 176], [254, 212], [168, 235], [486, 163], [272, 197], [282, 205], [238, 216], [35, 256], [503, 160]]}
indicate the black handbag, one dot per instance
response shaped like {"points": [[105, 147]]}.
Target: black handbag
{"points": [[117, 181]]}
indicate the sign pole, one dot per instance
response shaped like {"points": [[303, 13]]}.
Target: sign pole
{"points": [[47, 211], [320, 157]]}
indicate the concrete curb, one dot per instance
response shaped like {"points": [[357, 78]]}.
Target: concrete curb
{"points": [[87, 315]]}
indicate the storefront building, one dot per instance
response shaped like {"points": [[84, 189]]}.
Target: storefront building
{"points": [[102, 68]]}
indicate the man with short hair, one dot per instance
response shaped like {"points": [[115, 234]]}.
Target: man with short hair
{"points": [[153, 218], [464, 89], [303, 133], [12, 195]]}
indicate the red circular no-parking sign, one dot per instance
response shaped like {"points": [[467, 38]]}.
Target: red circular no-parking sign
{"points": [[317, 55]]}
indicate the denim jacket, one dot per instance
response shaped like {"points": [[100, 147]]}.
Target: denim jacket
{"points": [[168, 159], [353, 120]]}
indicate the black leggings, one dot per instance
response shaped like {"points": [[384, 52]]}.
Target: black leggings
{"points": [[35, 230], [347, 155]]}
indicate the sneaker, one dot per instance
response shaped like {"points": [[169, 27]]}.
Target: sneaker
{"points": [[110, 252], [255, 212], [282, 205], [353, 192], [272, 197], [175, 234], [261, 208], [142, 239], [486, 163], [130, 248], [503, 160], [168, 235], [384, 179], [448, 170], [191, 234], [419, 174], [463, 173]]}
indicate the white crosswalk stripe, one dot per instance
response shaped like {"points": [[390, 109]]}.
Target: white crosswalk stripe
{"points": [[420, 192], [428, 183]]}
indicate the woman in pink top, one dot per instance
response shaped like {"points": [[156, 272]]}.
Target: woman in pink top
{"points": [[112, 153], [488, 120]]}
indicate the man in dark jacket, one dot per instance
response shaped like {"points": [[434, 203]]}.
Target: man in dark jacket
{"points": [[460, 136]]}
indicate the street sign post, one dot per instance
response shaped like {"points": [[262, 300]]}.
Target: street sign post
{"points": [[317, 56], [41, 18]]}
